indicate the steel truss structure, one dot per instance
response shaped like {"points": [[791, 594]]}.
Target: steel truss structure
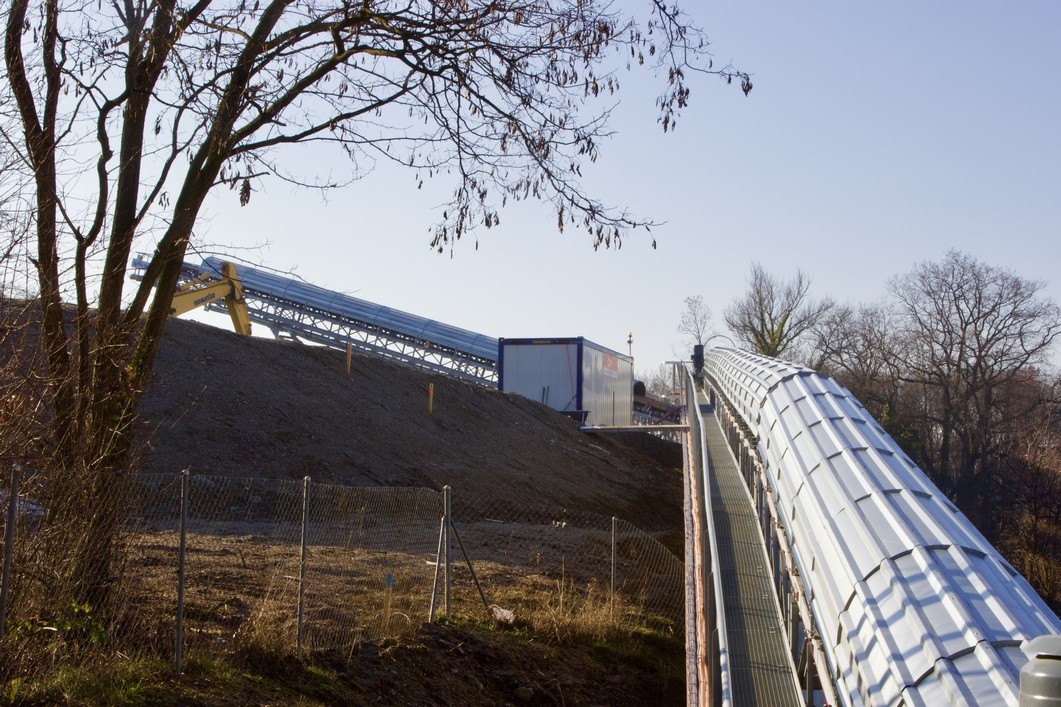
{"points": [[294, 309]]}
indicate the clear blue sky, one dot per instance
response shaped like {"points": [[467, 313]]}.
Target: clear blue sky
{"points": [[878, 135]]}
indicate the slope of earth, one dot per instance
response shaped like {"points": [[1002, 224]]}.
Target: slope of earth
{"points": [[223, 404]]}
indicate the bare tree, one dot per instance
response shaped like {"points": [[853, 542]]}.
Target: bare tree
{"points": [[132, 112], [973, 333], [661, 382], [695, 323], [774, 314], [859, 346]]}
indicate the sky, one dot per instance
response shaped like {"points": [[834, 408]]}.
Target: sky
{"points": [[877, 136]]}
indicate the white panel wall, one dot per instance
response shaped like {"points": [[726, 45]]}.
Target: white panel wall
{"points": [[607, 386], [546, 372]]}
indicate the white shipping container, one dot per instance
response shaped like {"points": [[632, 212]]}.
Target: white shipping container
{"points": [[572, 375]]}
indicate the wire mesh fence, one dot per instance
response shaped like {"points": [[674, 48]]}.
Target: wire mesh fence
{"points": [[569, 549], [202, 563]]}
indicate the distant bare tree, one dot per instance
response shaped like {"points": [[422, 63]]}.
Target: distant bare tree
{"points": [[695, 323], [774, 314], [659, 382], [973, 334], [858, 345]]}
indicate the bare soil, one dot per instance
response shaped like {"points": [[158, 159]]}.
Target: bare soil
{"points": [[238, 406], [228, 405]]}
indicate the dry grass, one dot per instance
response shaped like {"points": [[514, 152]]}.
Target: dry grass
{"points": [[365, 582], [242, 590], [241, 620]]}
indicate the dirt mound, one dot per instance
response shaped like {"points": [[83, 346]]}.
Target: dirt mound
{"points": [[223, 404]]}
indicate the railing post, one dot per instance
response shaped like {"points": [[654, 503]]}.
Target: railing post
{"points": [[182, 551], [302, 564]]}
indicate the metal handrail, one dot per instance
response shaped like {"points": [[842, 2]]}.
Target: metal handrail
{"points": [[720, 684]]}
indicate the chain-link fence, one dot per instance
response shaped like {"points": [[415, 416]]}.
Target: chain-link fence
{"points": [[205, 563], [567, 549]]}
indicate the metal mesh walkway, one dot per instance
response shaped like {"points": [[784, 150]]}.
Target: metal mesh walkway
{"points": [[760, 669]]}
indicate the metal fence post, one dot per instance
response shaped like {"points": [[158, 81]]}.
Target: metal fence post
{"points": [[613, 558], [302, 564], [182, 550], [438, 564], [448, 520], [9, 547]]}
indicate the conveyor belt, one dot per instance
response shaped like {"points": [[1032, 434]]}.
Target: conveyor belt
{"points": [[290, 307], [760, 670]]}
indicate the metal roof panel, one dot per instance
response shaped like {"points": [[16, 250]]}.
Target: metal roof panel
{"points": [[913, 601]]}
